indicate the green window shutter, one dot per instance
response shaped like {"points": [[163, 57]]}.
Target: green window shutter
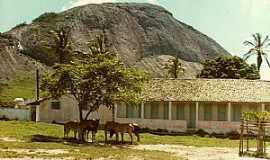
{"points": [[154, 110], [129, 113], [56, 105], [267, 108], [166, 110], [222, 112], [180, 112], [139, 109], [236, 113], [208, 112]]}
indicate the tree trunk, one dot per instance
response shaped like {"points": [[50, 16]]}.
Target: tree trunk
{"points": [[113, 113], [80, 131], [81, 111]]}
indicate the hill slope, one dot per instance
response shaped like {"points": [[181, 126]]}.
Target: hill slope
{"points": [[143, 34]]}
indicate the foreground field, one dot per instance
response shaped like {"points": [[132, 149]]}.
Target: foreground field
{"points": [[39, 140]]}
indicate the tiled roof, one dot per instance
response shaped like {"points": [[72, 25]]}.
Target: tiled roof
{"points": [[210, 90]]}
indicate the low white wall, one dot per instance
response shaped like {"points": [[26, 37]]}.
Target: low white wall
{"points": [[218, 126], [13, 113], [171, 125]]}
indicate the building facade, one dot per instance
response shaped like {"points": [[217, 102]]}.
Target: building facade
{"points": [[214, 105]]}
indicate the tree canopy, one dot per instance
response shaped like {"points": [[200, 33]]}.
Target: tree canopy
{"points": [[95, 78], [228, 67], [174, 67]]}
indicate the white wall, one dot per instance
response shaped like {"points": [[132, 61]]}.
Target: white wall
{"points": [[12, 114]]}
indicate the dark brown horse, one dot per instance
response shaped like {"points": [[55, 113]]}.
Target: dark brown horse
{"points": [[115, 128], [89, 125], [71, 126]]}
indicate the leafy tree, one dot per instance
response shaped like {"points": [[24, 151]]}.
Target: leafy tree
{"points": [[174, 67], [228, 67], [258, 47], [95, 78], [62, 44]]}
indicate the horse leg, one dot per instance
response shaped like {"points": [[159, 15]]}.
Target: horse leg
{"points": [[138, 136], [122, 137], [93, 137], [131, 137], [105, 135], [117, 136], [75, 134]]}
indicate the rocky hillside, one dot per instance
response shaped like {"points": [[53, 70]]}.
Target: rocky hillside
{"points": [[144, 35]]}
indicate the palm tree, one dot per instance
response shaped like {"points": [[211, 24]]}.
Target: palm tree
{"points": [[174, 67], [258, 48]]}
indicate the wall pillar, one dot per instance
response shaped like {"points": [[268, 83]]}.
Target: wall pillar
{"points": [[37, 113], [170, 111], [229, 108], [142, 110], [197, 115], [263, 107]]}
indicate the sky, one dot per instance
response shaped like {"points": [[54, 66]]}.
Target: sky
{"points": [[229, 22]]}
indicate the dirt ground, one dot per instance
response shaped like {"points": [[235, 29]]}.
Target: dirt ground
{"points": [[186, 152], [197, 153]]}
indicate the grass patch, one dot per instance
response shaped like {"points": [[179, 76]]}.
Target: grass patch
{"points": [[26, 130], [22, 85]]}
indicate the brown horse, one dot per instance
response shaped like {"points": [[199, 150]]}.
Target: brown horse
{"points": [[114, 127], [89, 125], [71, 126]]}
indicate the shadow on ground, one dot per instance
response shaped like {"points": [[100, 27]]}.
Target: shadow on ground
{"points": [[73, 141]]}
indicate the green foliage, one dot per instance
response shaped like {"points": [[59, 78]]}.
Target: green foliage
{"points": [[62, 44], [258, 48], [20, 25], [174, 67], [95, 78], [46, 17], [228, 67], [257, 116]]}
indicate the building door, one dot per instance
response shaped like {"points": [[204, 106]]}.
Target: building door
{"points": [[192, 116]]}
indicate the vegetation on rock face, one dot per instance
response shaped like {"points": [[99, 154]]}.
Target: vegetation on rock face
{"points": [[258, 48], [46, 17], [174, 67], [20, 25], [228, 67], [94, 79], [149, 33], [62, 44]]}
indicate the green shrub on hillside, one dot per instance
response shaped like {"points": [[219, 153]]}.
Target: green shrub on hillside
{"points": [[46, 17]]}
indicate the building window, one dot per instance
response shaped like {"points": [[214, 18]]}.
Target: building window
{"points": [[154, 110], [236, 113], [159, 110], [180, 112], [133, 111], [267, 108], [166, 110], [56, 105], [207, 112], [222, 112], [121, 110]]}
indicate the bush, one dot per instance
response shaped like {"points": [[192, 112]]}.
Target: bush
{"points": [[20, 25], [201, 133], [233, 135], [46, 17]]}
